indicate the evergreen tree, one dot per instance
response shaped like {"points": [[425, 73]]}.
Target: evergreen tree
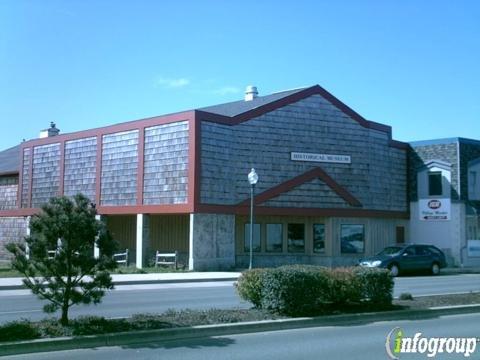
{"points": [[60, 266]]}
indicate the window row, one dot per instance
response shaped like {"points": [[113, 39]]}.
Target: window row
{"points": [[352, 238]]}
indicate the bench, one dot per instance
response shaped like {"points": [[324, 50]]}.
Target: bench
{"points": [[121, 258], [166, 259]]}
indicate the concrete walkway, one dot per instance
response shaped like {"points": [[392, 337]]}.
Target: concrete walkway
{"points": [[133, 279]]}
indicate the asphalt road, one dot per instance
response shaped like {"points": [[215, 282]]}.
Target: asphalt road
{"points": [[155, 298], [365, 341]]}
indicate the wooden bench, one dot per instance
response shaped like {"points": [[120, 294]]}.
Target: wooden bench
{"points": [[121, 258], [166, 259]]}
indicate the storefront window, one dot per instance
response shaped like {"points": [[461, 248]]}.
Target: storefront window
{"points": [[473, 234], [296, 238], [256, 237], [274, 237], [353, 239], [318, 238]]}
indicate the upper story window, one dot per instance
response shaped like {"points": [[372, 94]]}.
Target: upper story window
{"points": [[473, 185], [434, 180], [435, 183], [473, 179]]}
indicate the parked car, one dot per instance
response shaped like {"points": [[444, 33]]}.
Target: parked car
{"points": [[408, 258]]}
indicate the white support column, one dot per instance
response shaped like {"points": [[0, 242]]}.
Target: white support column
{"points": [[190, 243], [27, 249], [96, 250], [139, 260]]}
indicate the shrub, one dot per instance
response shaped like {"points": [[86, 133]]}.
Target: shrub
{"points": [[299, 290], [249, 286], [50, 327], [406, 296], [18, 330], [91, 325], [343, 287], [377, 285], [293, 290], [148, 321]]}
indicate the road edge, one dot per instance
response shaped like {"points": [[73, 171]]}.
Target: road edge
{"points": [[141, 282], [164, 335]]}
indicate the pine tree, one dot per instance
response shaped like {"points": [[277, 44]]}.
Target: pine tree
{"points": [[60, 266]]}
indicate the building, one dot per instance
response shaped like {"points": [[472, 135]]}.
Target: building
{"points": [[444, 191], [332, 185]]}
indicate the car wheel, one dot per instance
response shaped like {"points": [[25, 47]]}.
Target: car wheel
{"points": [[435, 269], [394, 270]]}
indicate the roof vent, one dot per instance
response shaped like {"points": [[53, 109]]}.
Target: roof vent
{"points": [[52, 131], [251, 93]]}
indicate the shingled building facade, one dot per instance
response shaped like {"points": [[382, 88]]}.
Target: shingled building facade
{"points": [[332, 187]]}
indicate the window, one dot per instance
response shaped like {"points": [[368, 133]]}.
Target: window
{"points": [[274, 237], [473, 188], [296, 238], [400, 235], [352, 239], [422, 251], [435, 184], [435, 251], [473, 178], [255, 240], [318, 238]]}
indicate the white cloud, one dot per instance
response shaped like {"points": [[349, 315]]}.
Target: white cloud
{"points": [[226, 90], [171, 83]]}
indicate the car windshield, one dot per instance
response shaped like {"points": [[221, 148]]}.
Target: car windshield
{"points": [[391, 250]]}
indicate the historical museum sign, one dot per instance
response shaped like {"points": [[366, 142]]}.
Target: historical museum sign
{"points": [[329, 158]]}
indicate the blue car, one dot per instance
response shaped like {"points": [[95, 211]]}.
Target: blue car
{"points": [[408, 258]]}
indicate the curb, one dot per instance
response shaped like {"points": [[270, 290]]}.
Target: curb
{"points": [[164, 335], [139, 282]]}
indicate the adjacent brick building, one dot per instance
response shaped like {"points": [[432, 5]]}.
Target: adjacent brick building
{"points": [[332, 187]]}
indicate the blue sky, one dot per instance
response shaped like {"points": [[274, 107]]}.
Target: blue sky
{"points": [[414, 65]]}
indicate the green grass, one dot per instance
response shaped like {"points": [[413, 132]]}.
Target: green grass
{"points": [[6, 272], [146, 270]]}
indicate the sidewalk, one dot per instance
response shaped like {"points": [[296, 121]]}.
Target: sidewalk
{"points": [[186, 277], [460, 270], [136, 279]]}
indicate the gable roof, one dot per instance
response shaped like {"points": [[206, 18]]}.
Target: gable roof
{"points": [[314, 173], [10, 160], [241, 106], [233, 113], [436, 163]]}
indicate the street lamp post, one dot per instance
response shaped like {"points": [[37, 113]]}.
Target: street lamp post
{"points": [[252, 179]]}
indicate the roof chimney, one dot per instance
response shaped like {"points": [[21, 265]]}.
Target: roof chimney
{"points": [[52, 131], [251, 93]]}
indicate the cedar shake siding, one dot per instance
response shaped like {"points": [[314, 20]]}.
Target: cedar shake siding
{"points": [[376, 175], [105, 166], [26, 178], [46, 173], [166, 164], [80, 167], [119, 168], [8, 192]]}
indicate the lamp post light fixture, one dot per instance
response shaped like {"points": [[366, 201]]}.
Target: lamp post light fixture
{"points": [[252, 179]]}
